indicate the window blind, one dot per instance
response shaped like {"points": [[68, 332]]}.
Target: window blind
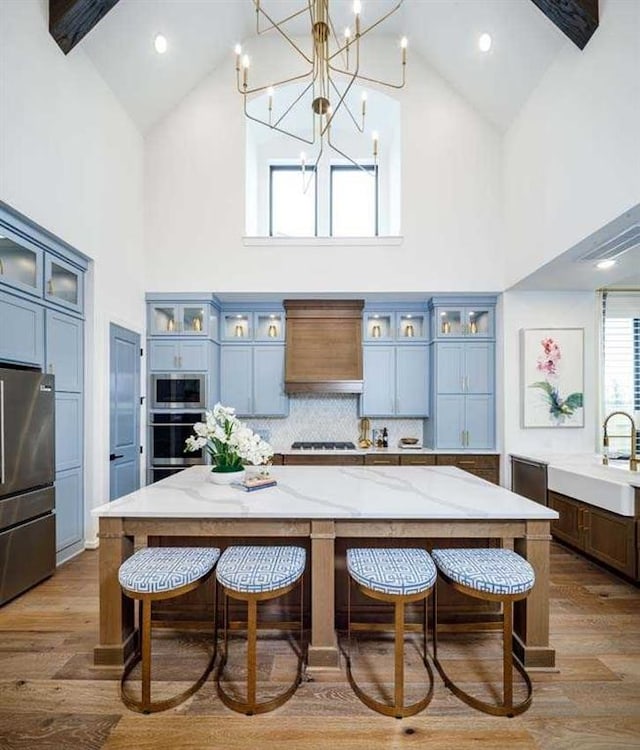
{"points": [[621, 362]]}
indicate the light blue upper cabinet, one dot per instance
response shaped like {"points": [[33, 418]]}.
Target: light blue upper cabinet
{"points": [[64, 350], [63, 283], [252, 380], [20, 263], [379, 390], [236, 326], [463, 367], [21, 331], [412, 381], [236, 378], [187, 355], [269, 398], [396, 381], [463, 374]]}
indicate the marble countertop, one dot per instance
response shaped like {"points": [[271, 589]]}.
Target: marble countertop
{"points": [[332, 492]]}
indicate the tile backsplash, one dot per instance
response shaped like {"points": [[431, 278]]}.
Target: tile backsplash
{"points": [[328, 417]]}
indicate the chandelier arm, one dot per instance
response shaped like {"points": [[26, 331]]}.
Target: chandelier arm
{"points": [[277, 27], [294, 102], [362, 168], [274, 24], [278, 129], [368, 29], [342, 102], [375, 80], [256, 90], [314, 171]]}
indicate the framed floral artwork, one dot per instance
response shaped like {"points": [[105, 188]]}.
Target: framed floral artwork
{"points": [[552, 377]]}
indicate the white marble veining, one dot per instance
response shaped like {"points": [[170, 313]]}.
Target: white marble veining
{"points": [[332, 492]]}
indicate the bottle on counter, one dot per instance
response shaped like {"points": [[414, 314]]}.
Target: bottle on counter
{"points": [[385, 438]]}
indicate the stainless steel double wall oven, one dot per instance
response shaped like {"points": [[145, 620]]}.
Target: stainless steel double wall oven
{"points": [[178, 401]]}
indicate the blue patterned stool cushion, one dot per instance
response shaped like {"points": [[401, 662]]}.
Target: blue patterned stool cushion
{"points": [[156, 569], [392, 571], [255, 568], [494, 571]]}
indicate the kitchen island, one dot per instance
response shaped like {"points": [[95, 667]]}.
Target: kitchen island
{"points": [[319, 505]]}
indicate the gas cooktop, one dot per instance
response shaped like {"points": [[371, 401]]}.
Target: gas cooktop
{"points": [[323, 445]]}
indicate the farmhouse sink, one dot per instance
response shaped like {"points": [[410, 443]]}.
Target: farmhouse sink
{"points": [[608, 487]]}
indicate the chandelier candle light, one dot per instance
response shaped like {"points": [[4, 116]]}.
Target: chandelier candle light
{"points": [[333, 69]]}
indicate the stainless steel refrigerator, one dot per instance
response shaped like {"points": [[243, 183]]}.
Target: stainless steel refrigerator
{"points": [[27, 466]]}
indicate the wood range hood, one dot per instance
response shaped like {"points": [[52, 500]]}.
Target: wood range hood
{"points": [[323, 346]]}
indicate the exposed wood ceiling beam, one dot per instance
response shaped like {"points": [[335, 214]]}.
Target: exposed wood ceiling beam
{"points": [[578, 19], [70, 20]]}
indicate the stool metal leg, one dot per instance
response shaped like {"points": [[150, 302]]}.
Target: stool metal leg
{"points": [[251, 705], [143, 653], [398, 709], [506, 707]]}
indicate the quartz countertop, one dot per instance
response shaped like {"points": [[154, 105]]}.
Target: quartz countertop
{"points": [[332, 492]]}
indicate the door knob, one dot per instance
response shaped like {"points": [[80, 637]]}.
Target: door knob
{"points": [[113, 456]]}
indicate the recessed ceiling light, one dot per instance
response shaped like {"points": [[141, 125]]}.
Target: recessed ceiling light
{"points": [[484, 42], [604, 264], [160, 44]]}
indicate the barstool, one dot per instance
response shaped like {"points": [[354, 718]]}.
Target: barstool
{"points": [[255, 574], [492, 575], [150, 575], [399, 576]]}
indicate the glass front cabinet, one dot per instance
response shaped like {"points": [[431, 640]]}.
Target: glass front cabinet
{"points": [[399, 326], [20, 266], [63, 283], [458, 321], [190, 319]]}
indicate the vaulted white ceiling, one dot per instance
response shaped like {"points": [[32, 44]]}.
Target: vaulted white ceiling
{"points": [[202, 33]]}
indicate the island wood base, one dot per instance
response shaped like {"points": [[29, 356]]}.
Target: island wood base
{"points": [[119, 535]]}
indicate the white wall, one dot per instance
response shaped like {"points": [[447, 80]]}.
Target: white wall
{"points": [[572, 157], [546, 310], [71, 160], [451, 194]]}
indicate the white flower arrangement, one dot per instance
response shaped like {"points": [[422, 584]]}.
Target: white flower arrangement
{"points": [[229, 442]]}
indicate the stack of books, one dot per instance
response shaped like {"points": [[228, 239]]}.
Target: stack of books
{"points": [[255, 483]]}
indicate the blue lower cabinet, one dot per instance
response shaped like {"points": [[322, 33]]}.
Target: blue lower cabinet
{"points": [[450, 422], [69, 512], [480, 422], [21, 331], [68, 430], [252, 380], [64, 350]]}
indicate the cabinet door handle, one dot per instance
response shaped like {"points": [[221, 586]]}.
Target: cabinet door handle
{"points": [[180, 361], [51, 368], [585, 514]]}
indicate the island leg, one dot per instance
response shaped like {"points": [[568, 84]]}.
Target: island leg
{"points": [[117, 634], [323, 649], [531, 616]]}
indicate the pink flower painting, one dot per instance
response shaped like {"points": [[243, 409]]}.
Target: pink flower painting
{"points": [[554, 368]]}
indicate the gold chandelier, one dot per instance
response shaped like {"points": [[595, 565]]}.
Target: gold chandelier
{"points": [[333, 69]]}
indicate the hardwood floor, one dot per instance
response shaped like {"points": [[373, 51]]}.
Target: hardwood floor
{"points": [[53, 698]]}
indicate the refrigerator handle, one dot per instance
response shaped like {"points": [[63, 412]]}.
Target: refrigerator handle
{"points": [[2, 457]]}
